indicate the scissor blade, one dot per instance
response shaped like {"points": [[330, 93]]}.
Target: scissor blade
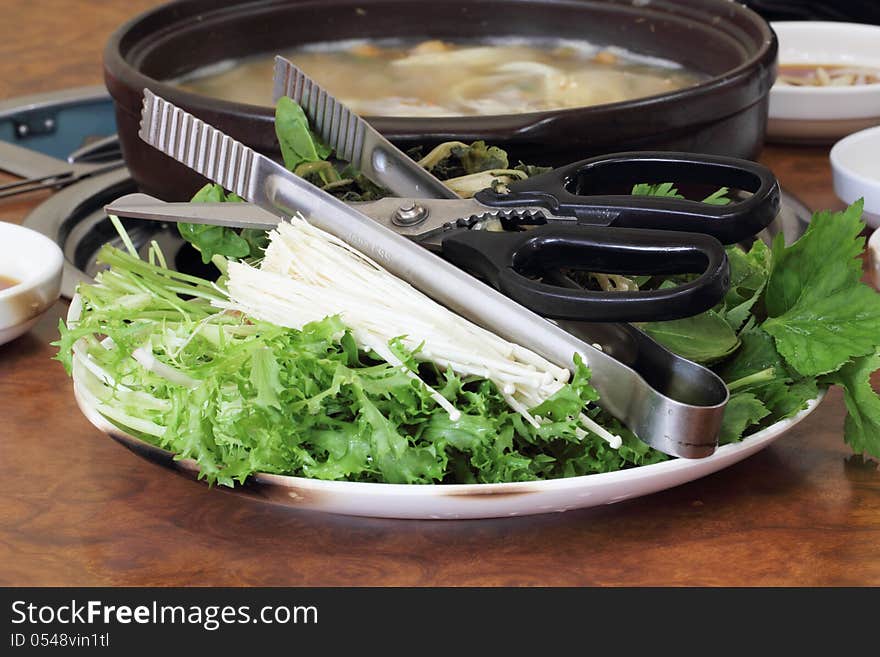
{"points": [[232, 215], [355, 140], [441, 214]]}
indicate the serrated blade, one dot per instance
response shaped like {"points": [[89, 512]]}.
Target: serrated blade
{"points": [[353, 139], [202, 148]]}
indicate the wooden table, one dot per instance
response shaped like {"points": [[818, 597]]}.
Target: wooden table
{"points": [[78, 509]]}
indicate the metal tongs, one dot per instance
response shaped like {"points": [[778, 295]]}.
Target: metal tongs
{"points": [[687, 426]]}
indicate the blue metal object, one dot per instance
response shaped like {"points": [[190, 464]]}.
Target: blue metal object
{"points": [[58, 123]]}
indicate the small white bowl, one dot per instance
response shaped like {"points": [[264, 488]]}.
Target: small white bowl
{"points": [[36, 263], [821, 115], [855, 165]]}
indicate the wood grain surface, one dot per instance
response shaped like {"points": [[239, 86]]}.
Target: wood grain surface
{"points": [[77, 509]]}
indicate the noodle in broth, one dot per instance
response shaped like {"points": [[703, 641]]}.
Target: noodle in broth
{"points": [[439, 78]]}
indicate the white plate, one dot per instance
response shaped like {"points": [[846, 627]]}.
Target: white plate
{"points": [[820, 115], [441, 502]]}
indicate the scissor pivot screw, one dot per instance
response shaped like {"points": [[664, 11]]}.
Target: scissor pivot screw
{"points": [[409, 214]]}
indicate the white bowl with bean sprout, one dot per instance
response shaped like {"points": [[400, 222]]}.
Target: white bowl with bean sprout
{"points": [[828, 85]]}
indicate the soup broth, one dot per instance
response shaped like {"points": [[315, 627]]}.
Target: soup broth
{"points": [[439, 78]]}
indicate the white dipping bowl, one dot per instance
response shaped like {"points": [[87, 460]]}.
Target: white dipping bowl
{"points": [[821, 115], [855, 165], [36, 263]]}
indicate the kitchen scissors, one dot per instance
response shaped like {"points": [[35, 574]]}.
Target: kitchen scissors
{"points": [[574, 221], [564, 220], [552, 225]]}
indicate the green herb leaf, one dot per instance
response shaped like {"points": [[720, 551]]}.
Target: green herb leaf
{"points": [[819, 334], [749, 273], [822, 262], [478, 157], [742, 411], [210, 193], [703, 338], [668, 190], [759, 369], [214, 240], [718, 197], [820, 315], [298, 143], [862, 428], [454, 159]]}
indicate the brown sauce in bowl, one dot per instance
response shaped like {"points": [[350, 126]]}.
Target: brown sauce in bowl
{"points": [[7, 282]]}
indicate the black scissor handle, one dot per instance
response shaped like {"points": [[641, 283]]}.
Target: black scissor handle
{"points": [[581, 190], [509, 261]]}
